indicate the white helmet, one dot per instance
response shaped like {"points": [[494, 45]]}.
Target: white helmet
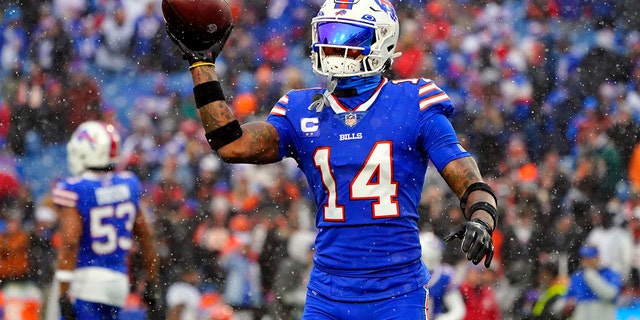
{"points": [[93, 145], [354, 37], [432, 249]]}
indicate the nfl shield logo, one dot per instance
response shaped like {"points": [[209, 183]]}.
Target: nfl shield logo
{"points": [[350, 119]]}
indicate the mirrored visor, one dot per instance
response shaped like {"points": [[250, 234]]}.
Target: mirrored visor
{"points": [[343, 34]]}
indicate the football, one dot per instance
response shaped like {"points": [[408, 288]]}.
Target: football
{"points": [[197, 23]]}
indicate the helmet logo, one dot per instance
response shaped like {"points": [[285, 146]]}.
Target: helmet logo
{"points": [[84, 135], [387, 7], [341, 13]]}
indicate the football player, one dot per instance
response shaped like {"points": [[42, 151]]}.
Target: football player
{"points": [[100, 219], [363, 143], [445, 299]]}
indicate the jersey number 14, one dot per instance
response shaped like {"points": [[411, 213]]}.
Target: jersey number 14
{"points": [[374, 181]]}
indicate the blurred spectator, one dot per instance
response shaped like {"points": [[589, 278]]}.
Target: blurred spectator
{"points": [[210, 237], [14, 244], [51, 47], [183, 296], [603, 63], [171, 251], [147, 34], [244, 196], [612, 239], [554, 180], [560, 242], [266, 88], [519, 254], [88, 40], [593, 289], [445, 300], [243, 290], [624, 133], [479, 297], [140, 148], [42, 254], [489, 129], [14, 40], [54, 123], [116, 33], [15, 272], [550, 290], [176, 180], [292, 276], [10, 85], [603, 154], [209, 176], [455, 216], [83, 97], [272, 235], [29, 102], [159, 101]]}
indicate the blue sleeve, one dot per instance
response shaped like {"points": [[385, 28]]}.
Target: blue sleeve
{"points": [[613, 277], [286, 135], [439, 139]]}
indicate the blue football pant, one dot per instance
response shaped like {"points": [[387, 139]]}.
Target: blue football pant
{"points": [[411, 306], [86, 310]]}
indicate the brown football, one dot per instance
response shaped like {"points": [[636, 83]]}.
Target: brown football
{"points": [[197, 23]]}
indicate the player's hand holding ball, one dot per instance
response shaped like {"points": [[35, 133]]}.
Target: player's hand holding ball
{"points": [[200, 28], [476, 240]]}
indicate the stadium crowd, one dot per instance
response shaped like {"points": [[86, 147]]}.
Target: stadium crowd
{"points": [[547, 96]]}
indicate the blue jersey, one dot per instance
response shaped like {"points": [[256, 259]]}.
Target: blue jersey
{"points": [[579, 288], [108, 204], [365, 159], [439, 286]]}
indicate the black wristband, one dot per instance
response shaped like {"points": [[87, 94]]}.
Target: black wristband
{"points": [[224, 135], [473, 187], [493, 212], [207, 92], [484, 224]]}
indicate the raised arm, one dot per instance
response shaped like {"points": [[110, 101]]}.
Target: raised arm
{"points": [[254, 142], [258, 142]]}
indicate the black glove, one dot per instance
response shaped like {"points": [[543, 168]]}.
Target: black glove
{"points": [[476, 240], [153, 299], [66, 308], [209, 54]]}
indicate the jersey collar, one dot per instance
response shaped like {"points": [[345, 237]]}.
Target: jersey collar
{"points": [[339, 108]]}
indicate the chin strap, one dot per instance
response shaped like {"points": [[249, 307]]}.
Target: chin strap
{"points": [[322, 100]]}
